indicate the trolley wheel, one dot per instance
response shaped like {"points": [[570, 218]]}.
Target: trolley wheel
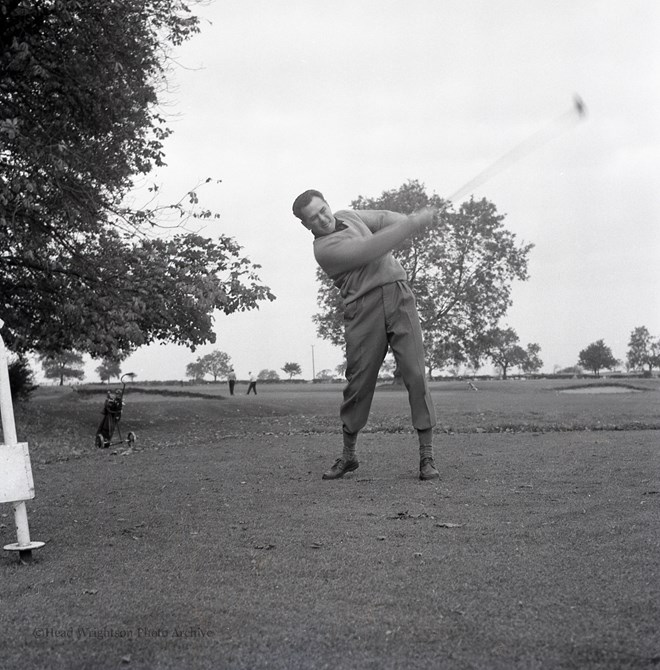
{"points": [[99, 441], [131, 437]]}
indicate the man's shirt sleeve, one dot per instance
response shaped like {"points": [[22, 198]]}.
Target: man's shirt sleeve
{"points": [[347, 249], [377, 219]]}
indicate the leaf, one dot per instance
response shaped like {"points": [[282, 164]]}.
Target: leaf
{"points": [[79, 269], [461, 272]]}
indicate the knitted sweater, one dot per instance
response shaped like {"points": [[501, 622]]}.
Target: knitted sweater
{"points": [[346, 258]]}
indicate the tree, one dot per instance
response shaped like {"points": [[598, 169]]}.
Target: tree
{"points": [[21, 379], [532, 362], [501, 346], [324, 375], [449, 353], [62, 365], [643, 350], [291, 369], [196, 370], [388, 367], [596, 357], [79, 124], [217, 363], [570, 370], [268, 375], [460, 270], [108, 369]]}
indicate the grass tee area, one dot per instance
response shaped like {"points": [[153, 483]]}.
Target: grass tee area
{"points": [[214, 543]]}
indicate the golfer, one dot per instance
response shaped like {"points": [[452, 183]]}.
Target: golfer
{"points": [[354, 250]]}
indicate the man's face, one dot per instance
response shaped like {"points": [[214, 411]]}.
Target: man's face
{"points": [[318, 217]]}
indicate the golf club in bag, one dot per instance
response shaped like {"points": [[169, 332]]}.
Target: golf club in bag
{"points": [[112, 409]]}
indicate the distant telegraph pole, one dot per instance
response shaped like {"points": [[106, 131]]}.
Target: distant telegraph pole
{"points": [[313, 365]]}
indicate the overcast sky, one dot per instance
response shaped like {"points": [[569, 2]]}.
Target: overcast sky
{"points": [[356, 97]]}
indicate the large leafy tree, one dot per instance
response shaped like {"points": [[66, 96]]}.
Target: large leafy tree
{"points": [[532, 362], [291, 369], [268, 375], [597, 356], [108, 369], [502, 346], [461, 271], [79, 121], [196, 370], [21, 379], [63, 365], [217, 364], [643, 349]]}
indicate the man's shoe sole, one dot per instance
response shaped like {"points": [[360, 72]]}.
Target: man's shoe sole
{"points": [[426, 478], [428, 470]]}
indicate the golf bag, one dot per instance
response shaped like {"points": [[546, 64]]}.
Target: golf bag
{"points": [[112, 409]]}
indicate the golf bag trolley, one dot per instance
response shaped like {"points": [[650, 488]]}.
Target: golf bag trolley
{"points": [[112, 409]]}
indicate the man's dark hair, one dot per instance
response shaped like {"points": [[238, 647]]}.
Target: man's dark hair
{"points": [[303, 200]]}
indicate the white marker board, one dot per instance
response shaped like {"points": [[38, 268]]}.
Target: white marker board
{"points": [[15, 473]]}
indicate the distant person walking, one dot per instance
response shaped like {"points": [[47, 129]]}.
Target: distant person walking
{"points": [[231, 377], [253, 384]]}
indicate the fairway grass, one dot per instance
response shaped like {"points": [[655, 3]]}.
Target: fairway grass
{"points": [[213, 543]]}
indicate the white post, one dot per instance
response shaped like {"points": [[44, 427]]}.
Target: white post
{"points": [[6, 407], [16, 483], [22, 527]]}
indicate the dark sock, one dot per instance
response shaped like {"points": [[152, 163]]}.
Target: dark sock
{"points": [[425, 436], [425, 451], [425, 443], [350, 440]]}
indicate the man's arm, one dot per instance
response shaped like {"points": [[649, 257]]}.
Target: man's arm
{"points": [[377, 219], [339, 254]]}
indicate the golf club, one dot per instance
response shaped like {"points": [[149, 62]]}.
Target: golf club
{"points": [[576, 113]]}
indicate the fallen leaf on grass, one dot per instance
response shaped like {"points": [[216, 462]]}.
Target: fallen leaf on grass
{"points": [[447, 524], [90, 592], [316, 545]]}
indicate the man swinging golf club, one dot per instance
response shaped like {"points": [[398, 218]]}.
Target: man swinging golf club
{"points": [[354, 249]]}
